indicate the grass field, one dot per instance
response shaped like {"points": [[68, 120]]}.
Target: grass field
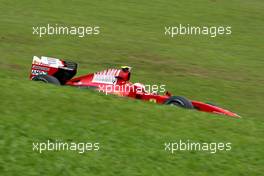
{"points": [[226, 70]]}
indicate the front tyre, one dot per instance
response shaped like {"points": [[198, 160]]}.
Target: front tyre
{"points": [[47, 79], [180, 102]]}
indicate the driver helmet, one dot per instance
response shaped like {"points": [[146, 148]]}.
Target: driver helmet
{"points": [[126, 68]]}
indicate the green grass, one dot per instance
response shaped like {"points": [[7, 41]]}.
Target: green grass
{"points": [[226, 70]]}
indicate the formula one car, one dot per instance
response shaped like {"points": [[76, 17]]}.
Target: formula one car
{"points": [[111, 81]]}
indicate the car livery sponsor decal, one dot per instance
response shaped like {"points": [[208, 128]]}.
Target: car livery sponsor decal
{"points": [[37, 67], [38, 72], [106, 76]]}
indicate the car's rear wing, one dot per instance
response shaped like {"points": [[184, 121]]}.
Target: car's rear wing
{"points": [[59, 68]]}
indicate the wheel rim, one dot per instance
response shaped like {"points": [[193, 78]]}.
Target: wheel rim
{"points": [[177, 103]]}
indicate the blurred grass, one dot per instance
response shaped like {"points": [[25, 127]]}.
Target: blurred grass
{"points": [[224, 70]]}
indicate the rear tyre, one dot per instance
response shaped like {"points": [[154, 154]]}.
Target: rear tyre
{"points": [[47, 79], [180, 102]]}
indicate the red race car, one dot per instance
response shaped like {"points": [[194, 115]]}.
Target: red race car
{"points": [[111, 81]]}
